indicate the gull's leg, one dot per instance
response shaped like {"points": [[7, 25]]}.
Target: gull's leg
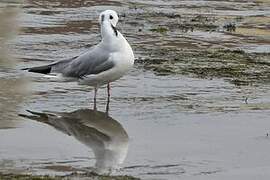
{"points": [[108, 98], [95, 98], [109, 90], [108, 106]]}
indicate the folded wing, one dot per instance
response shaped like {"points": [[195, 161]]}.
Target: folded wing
{"points": [[94, 61]]}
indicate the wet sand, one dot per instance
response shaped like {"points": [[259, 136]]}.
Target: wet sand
{"points": [[195, 106]]}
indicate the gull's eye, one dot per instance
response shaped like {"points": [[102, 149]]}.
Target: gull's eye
{"points": [[111, 17]]}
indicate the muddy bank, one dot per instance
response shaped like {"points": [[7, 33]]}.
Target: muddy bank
{"points": [[70, 177], [209, 39], [236, 66]]}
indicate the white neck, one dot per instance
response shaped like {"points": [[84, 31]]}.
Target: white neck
{"points": [[107, 31], [113, 42]]}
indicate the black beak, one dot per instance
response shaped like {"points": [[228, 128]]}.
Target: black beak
{"points": [[114, 30], [102, 17]]}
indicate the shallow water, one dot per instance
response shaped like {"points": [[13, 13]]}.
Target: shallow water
{"points": [[176, 122]]}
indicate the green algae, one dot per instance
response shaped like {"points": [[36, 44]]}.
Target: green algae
{"points": [[159, 30], [236, 66], [88, 176]]}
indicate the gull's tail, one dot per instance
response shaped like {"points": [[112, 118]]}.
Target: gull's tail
{"points": [[40, 69]]}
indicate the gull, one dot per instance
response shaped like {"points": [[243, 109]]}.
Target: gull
{"points": [[103, 63]]}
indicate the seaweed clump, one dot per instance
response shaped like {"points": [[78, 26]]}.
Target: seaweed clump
{"points": [[89, 176], [235, 66]]}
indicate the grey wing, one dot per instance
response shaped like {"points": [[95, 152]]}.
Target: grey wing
{"points": [[51, 68], [92, 62], [102, 67], [61, 65]]}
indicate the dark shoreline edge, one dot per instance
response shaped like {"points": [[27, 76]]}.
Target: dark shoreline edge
{"points": [[77, 176]]}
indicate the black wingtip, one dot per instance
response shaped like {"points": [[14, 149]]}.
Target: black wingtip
{"points": [[40, 69], [25, 69]]}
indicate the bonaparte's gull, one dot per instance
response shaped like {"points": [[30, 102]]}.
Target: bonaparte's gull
{"points": [[105, 62]]}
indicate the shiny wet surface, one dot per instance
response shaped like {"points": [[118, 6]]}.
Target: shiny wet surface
{"points": [[106, 138], [175, 124]]}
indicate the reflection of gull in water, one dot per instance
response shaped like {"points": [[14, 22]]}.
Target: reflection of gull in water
{"points": [[104, 135]]}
